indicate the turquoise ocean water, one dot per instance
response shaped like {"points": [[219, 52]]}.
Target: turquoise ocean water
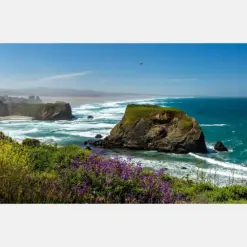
{"points": [[223, 119]]}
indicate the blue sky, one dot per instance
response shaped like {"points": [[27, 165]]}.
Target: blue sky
{"points": [[168, 69]]}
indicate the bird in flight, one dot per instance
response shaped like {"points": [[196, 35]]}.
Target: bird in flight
{"points": [[140, 63]]}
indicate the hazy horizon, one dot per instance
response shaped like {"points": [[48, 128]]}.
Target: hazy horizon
{"points": [[213, 70]]}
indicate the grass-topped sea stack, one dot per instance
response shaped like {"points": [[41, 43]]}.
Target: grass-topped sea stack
{"points": [[158, 128]]}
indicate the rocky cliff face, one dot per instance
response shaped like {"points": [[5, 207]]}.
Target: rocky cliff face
{"points": [[156, 128], [3, 109], [57, 111], [49, 111]]}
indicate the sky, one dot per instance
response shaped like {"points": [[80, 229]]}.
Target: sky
{"points": [[167, 69]]}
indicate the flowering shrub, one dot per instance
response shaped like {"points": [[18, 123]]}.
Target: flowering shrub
{"points": [[114, 180], [51, 174]]}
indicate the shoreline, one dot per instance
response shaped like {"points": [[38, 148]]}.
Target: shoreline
{"points": [[16, 117], [76, 101]]}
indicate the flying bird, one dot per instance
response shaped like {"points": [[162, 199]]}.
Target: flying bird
{"points": [[140, 63]]}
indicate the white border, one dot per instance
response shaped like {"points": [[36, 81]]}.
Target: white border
{"points": [[122, 21], [48, 21], [122, 225]]}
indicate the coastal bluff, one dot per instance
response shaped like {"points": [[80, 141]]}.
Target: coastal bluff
{"points": [[151, 127], [48, 111]]}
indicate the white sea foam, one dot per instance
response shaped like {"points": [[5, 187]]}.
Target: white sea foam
{"points": [[213, 125], [86, 106], [49, 139], [90, 134], [219, 163]]}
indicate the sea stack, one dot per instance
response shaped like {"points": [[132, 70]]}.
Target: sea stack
{"points": [[150, 127], [220, 147]]}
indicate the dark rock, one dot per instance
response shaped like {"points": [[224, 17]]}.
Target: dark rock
{"points": [[98, 136], [149, 127], [88, 148], [219, 146], [90, 117], [4, 111], [85, 143], [49, 111], [57, 111], [183, 168], [98, 143]]}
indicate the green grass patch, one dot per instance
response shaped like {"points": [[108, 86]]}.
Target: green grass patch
{"points": [[186, 122], [134, 112]]}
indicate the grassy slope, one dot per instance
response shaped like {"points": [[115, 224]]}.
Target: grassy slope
{"points": [[134, 113], [36, 173]]}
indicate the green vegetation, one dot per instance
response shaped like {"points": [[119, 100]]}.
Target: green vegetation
{"points": [[134, 112], [31, 142], [206, 192], [186, 122], [32, 172]]}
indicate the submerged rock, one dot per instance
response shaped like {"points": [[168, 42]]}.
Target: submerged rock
{"points": [[219, 146], [90, 117], [150, 127]]}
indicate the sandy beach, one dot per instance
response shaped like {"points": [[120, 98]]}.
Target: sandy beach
{"points": [[76, 101], [15, 117]]}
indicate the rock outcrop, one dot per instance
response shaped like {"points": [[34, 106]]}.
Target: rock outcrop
{"points": [[57, 111], [49, 111], [219, 146], [98, 136], [3, 109], [149, 127]]}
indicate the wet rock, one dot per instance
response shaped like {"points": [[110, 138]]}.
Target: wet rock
{"points": [[98, 143], [183, 168], [90, 117], [98, 136], [219, 146]]}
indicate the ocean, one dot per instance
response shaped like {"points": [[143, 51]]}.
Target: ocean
{"points": [[223, 119]]}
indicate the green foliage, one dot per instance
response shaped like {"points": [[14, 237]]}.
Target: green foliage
{"points": [[134, 112], [40, 158], [42, 174], [63, 156], [186, 122], [205, 192], [31, 142]]}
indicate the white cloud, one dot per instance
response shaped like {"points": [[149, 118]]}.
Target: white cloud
{"points": [[65, 76]]}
